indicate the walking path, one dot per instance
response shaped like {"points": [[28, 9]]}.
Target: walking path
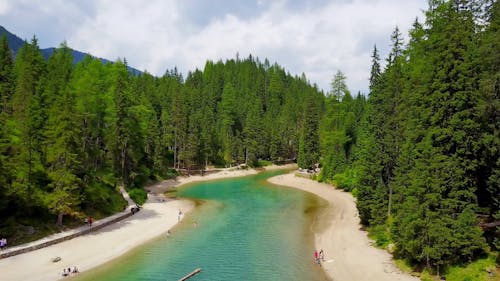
{"points": [[72, 233]]}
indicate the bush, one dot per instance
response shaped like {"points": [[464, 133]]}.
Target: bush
{"points": [[346, 180], [171, 173], [381, 236], [138, 195], [102, 200]]}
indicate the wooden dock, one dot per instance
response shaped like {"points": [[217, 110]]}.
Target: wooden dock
{"points": [[196, 271]]}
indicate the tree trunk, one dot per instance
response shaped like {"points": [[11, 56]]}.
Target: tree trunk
{"points": [[60, 219]]}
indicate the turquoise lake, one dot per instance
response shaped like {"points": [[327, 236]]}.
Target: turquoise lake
{"points": [[246, 229]]}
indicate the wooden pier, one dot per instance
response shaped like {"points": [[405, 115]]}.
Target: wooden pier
{"points": [[196, 271]]}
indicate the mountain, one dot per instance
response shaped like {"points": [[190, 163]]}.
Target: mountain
{"points": [[15, 43]]}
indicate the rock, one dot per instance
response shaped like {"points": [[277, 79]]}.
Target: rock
{"points": [[56, 259], [391, 247]]}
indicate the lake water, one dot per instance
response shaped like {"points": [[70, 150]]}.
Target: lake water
{"points": [[243, 229]]}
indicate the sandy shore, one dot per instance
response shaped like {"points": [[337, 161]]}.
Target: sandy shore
{"points": [[349, 253], [94, 249], [156, 218]]}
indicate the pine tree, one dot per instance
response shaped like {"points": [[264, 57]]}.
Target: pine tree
{"points": [[309, 139], [339, 87], [375, 70], [62, 137], [6, 87], [27, 124]]}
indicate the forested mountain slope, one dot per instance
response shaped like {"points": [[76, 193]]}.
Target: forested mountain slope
{"points": [[70, 133]]}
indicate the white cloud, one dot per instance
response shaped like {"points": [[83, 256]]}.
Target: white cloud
{"points": [[317, 38], [4, 7]]}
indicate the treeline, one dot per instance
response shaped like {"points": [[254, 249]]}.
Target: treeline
{"points": [[423, 160], [70, 133]]}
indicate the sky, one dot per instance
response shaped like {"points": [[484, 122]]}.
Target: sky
{"points": [[314, 37]]}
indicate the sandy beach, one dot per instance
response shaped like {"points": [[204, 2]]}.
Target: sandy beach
{"points": [[349, 254], [88, 251]]}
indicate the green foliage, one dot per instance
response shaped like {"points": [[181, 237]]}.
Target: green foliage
{"points": [[69, 134], [102, 200], [381, 235], [138, 195], [263, 163], [346, 180], [309, 139], [477, 270], [423, 152]]}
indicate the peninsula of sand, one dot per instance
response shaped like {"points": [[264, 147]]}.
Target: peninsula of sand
{"points": [[349, 254], [157, 216]]}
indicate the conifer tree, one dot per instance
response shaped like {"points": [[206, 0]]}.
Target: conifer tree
{"points": [[27, 124], [61, 136]]}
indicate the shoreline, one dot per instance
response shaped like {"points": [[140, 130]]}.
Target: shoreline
{"points": [[158, 215], [349, 253], [168, 185]]}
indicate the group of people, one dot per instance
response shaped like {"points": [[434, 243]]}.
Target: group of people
{"points": [[3, 243], [319, 257], [68, 271]]}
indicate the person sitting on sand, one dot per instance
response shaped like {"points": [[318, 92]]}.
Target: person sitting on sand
{"points": [[64, 273], [75, 270]]}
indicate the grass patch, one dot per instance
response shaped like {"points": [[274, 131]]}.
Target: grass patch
{"points": [[403, 265], [263, 163], [478, 270]]}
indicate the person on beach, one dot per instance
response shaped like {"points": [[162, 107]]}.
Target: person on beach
{"points": [[3, 243], [316, 257], [322, 255], [90, 221], [75, 270], [179, 216]]}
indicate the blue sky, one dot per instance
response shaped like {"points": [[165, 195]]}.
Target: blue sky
{"points": [[315, 37]]}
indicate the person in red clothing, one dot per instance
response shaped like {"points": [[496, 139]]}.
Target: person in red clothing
{"points": [[90, 221], [316, 257]]}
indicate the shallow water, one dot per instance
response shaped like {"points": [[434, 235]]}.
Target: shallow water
{"points": [[243, 229]]}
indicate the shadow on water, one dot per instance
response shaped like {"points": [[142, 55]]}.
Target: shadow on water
{"points": [[242, 229]]}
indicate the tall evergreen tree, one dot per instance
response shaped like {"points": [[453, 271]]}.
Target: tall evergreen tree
{"points": [[309, 138], [27, 124], [62, 136]]}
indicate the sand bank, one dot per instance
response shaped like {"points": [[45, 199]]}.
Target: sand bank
{"points": [[349, 253], [98, 247]]}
